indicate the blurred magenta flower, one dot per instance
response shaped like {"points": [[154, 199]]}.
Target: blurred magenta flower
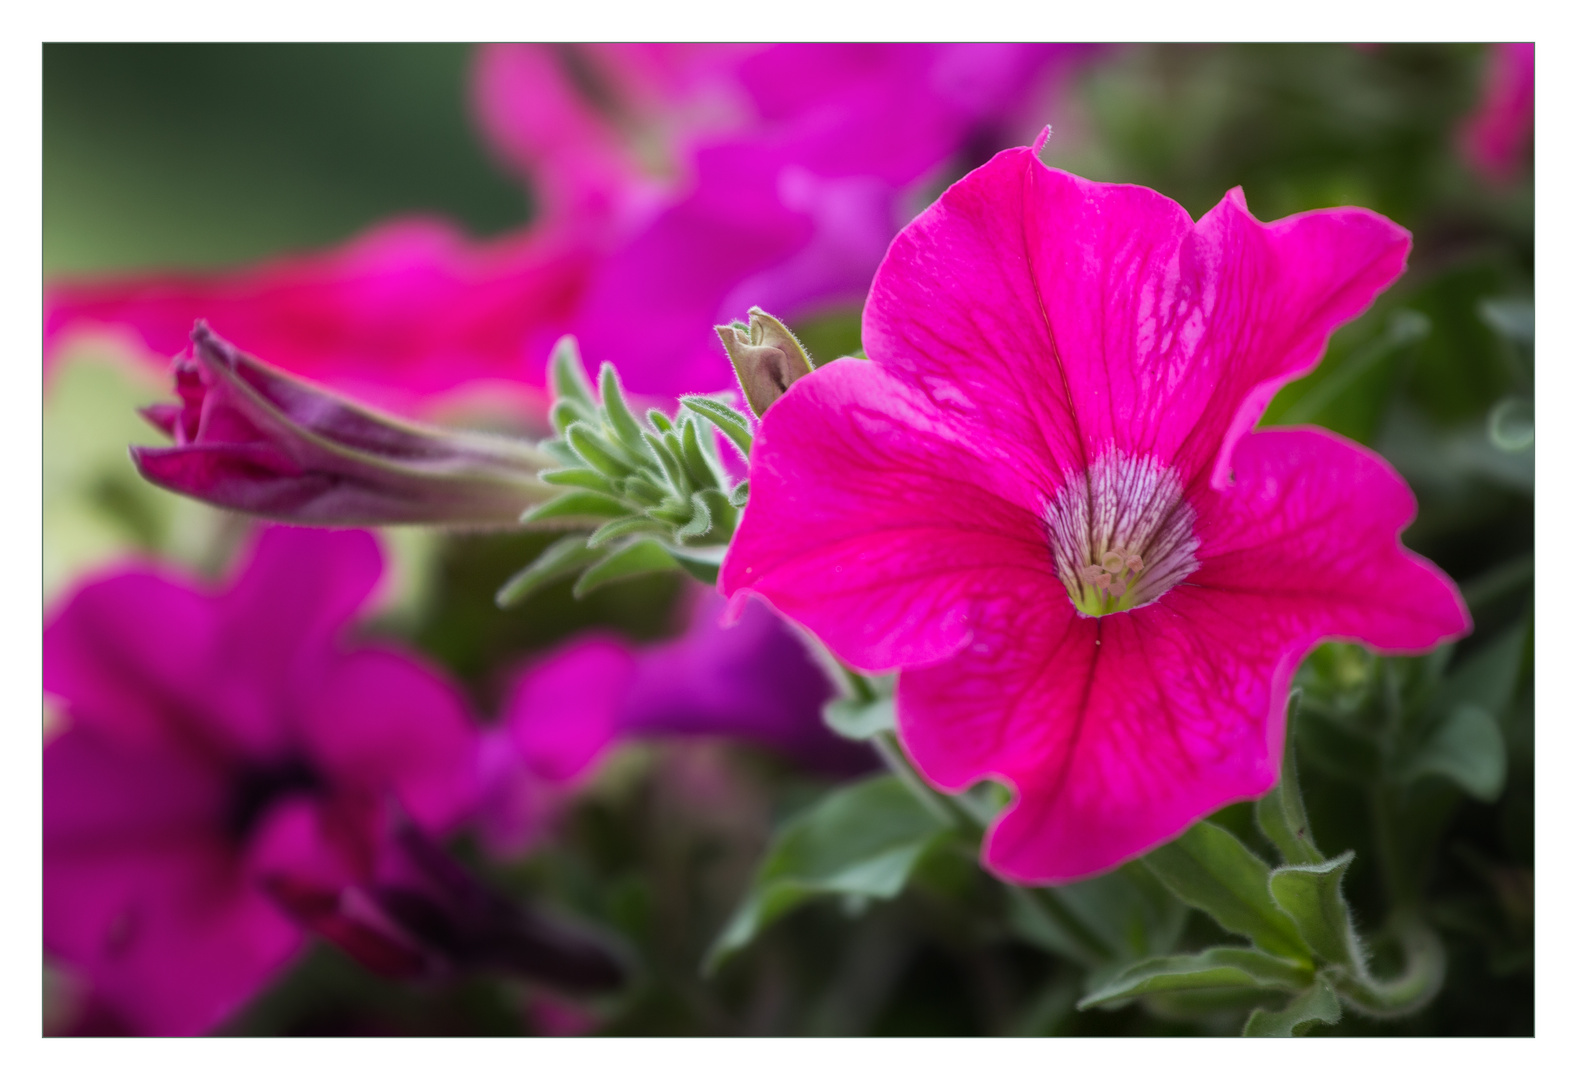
{"points": [[253, 439], [214, 738], [1042, 501], [679, 185], [1494, 139], [754, 681]]}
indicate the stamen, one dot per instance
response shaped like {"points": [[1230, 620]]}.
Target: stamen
{"points": [[1116, 588], [1090, 573], [1112, 562], [1134, 563], [1103, 581]]}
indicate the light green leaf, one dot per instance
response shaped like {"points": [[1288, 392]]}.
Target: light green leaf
{"points": [[559, 559], [632, 560], [1213, 969], [1312, 898], [576, 505], [860, 719], [567, 374], [734, 425], [1210, 869], [590, 479], [620, 419], [863, 840], [622, 527], [1316, 1005], [596, 451]]}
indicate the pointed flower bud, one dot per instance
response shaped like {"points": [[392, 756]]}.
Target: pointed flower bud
{"points": [[767, 358], [251, 438]]}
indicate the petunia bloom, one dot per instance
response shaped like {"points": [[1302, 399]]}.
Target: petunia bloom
{"points": [[212, 739], [752, 680], [1494, 139], [1041, 500], [678, 185], [253, 439]]}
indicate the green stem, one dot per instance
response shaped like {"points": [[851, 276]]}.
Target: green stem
{"points": [[1422, 974], [944, 810]]}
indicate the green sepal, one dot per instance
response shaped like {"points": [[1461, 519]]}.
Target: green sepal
{"points": [[596, 451], [1280, 815], [559, 559], [1316, 1005], [1312, 898], [632, 560], [590, 479], [567, 375], [625, 427], [577, 505], [1213, 969], [863, 841], [1210, 869], [860, 720], [632, 525], [734, 425]]}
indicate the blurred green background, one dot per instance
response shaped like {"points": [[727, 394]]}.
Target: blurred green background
{"points": [[205, 156]]}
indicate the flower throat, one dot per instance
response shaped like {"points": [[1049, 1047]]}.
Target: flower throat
{"points": [[1121, 533]]}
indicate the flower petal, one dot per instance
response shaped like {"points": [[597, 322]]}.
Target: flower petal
{"points": [[870, 525], [563, 710], [1063, 316]]}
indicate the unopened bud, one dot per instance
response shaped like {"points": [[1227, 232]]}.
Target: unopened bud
{"points": [[767, 358]]}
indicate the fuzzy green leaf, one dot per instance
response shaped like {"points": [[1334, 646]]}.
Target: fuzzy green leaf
{"points": [[567, 375], [1280, 815], [1316, 1005], [577, 505], [1312, 898], [632, 560], [596, 451], [590, 479], [734, 425], [1213, 969], [634, 524], [1210, 869], [862, 840], [620, 418], [559, 559]]}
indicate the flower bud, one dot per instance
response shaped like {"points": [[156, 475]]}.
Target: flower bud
{"points": [[767, 358], [249, 437]]}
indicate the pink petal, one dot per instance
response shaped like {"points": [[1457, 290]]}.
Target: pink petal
{"points": [[562, 713], [379, 720], [1495, 138], [1119, 733], [1054, 317], [869, 524]]}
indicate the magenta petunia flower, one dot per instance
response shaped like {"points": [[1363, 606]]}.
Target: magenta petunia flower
{"points": [[1494, 139], [679, 185], [1041, 500], [215, 738], [753, 681]]}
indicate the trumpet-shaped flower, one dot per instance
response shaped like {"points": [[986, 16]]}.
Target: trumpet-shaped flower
{"points": [[1042, 501], [213, 741]]}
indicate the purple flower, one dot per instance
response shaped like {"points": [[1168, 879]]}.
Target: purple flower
{"points": [[250, 438], [680, 185], [1043, 502], [754, 681], [214, 738], [1494, 140]]}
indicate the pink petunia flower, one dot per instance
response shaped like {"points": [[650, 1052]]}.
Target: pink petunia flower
{"points": [[1494, 139], [215, 738], [1042, 501], [752, 680], [680, 184]]}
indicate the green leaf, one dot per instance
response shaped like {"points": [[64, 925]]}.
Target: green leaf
{"points": [[740, 495], [1210, 869], [590, 479], [735, 426], [860, 719], [663, 449], [575, 504], [567, 375], [862, 840], [623, 422], [700, 521], [1312, 898], [696, 460], [632, 560], [1466, 748], [1280, 815], [625, 526], [1488, 678], [559, 559], [658, 421], [1316, 1005], [596, 451], [1213, 969]]}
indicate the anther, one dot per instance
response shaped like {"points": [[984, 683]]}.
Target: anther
{"points": [[1090, 573], [1112, 562], [1116, 588], [1134, 563], [1103, 581]]}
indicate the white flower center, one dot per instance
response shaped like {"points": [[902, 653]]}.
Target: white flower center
{"points": [[1121, 532]]}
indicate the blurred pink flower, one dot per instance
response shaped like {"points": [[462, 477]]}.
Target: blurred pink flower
{"points": [[753, 681], [211, 739], [1494, 139], [1041, 500], [678, 185]]}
